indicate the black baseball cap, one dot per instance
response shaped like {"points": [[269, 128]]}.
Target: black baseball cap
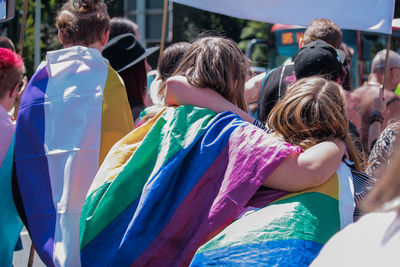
{"points": [[319, 58]]}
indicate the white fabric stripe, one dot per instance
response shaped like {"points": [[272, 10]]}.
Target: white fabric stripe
{"points": [[73, 109], [346, 195], [368, 15]]}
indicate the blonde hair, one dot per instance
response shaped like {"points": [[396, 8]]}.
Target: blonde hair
{"points": [[82, 22], [312, 111], [216, 63]]}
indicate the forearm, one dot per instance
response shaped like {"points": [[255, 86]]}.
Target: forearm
{"points": [[308, 169], [374, 131], [180, 92]]}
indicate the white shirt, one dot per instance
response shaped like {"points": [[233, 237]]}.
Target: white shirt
{"points": [[372, 241]]}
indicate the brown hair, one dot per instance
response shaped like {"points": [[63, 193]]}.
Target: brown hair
{"points": [[11, 70], [170, 59], [388, 188], [312, 111], [216, 63], [82, 22], [325, 30], [135, 80], [122, 25], [6, 43]]}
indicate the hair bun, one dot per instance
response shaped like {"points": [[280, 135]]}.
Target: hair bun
{"points": [[85, 5]]}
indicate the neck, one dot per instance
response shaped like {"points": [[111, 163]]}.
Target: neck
{"points": [[374, 81], [96, 45]]}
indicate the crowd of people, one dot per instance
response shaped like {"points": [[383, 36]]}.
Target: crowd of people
{"points": [[107, 163]]}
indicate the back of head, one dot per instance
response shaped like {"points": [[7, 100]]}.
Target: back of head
{"points": [[216, 63], [122, 25], [11, 70], [6, 43], [378, 63], [82, 22], [325, 30], [318, 58], [170, 59], [313, 111]]}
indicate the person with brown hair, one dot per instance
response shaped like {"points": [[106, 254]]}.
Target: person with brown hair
{"points": [[275, 82], [167, 64], [204, 88], [185, 157], [74, 109], [313, 111]]}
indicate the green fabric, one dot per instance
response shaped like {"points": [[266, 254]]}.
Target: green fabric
{"points": [[308, 216], [177, 128], [11, 224]]}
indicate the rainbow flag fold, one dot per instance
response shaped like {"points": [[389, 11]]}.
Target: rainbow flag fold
{"points": [[172, 184], [74, 109], [288, 232]]}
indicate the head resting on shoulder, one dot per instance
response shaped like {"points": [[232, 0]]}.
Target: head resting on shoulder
{"points": [[216, 63], [312, 111], [83, 22], [170, 59]]}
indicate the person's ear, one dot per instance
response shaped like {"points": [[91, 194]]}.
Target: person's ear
{"points": [[301, 42], [60, 37], [104, 38], [13, 93]]}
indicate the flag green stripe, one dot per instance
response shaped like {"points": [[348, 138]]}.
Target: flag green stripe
{"points": [[174, 130], [308, 216]]}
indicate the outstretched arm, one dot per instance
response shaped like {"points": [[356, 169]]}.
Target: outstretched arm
{"points": [[180, 92], [308, 169]]}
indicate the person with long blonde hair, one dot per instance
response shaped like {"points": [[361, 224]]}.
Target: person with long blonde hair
{"points": [[312, 111]]}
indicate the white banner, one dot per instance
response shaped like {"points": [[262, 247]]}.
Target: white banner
{"points": [[366, 15]]}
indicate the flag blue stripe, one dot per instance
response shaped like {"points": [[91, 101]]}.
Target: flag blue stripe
{"points": [[158, 202], [292, 252], [32, 167]]}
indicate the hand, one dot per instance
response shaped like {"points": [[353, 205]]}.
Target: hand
{"points": [[379, 104]]}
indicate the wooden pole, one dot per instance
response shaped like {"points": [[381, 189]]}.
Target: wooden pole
{"points": [[21, 37], [388, 39], [31, 256], [164, 25]]}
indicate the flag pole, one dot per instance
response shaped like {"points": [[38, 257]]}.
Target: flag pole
{"points": [[164, 25], [21, 36], [388, 40]]}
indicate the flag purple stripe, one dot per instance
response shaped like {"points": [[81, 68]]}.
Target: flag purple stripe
{"points": [[165, 191], [219, 196], [32, 168]]}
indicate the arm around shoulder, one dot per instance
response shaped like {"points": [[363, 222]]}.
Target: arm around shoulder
{"points": [[308, 169]]}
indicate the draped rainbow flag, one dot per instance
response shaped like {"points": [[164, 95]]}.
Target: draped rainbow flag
{"points": [[172, 184], [11, 224], [288, 232], [74, 109]]}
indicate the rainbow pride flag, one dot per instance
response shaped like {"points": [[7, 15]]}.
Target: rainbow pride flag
{"points": [[11, 224], [288, 232], [73, 111], [172, 184]]}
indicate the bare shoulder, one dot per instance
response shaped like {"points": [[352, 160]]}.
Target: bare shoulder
{"points": [[253, 86]]}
